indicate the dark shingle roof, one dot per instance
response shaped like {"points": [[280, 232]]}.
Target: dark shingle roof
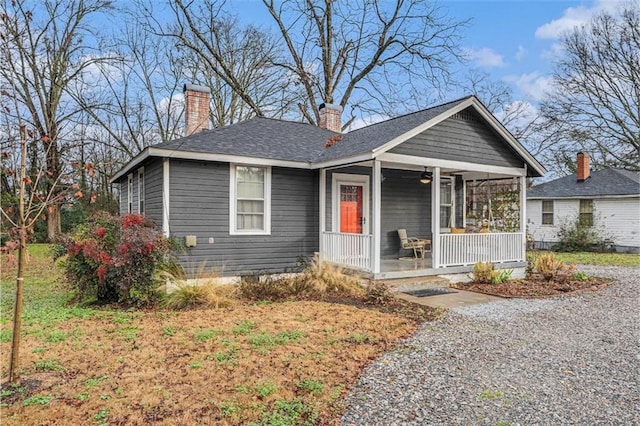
{"points": [[257, 137], [287, 140], [606, 182], [368, 138]]}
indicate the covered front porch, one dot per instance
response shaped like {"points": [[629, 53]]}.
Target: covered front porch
{"points": [[364, 204]]}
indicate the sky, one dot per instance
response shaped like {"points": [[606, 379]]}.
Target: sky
{"points": [[512, 40]]}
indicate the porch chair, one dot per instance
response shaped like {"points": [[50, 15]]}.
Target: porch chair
{"points": [[417, 245]]}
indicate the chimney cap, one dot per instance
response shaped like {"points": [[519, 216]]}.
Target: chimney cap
{"points": [[196, 88], [335, 107]]}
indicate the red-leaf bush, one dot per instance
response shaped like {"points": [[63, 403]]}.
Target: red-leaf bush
{"points": [[115, 259]]}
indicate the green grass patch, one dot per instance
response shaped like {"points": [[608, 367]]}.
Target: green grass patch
{"points": [[604, 259], [56, 336], [48, 365], [206, 334], [37, 400], [243, 328], [311, 385]]}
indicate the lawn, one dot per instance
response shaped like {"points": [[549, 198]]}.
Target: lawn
{"points": [[264, 363], [607, 259]]}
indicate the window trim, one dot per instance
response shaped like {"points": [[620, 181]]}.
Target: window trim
{"points": [[141, 189], [233, 201], [130, 193], [446, 229], [543, 213]]}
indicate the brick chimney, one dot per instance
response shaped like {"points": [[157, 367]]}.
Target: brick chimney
{"points": [[196, 108], [584, 169], [331, 117]]}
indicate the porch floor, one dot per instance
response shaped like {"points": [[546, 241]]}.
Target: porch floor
{"points": [[408, 267]]}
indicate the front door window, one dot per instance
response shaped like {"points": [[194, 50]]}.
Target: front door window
{"points": [[351, 217]]}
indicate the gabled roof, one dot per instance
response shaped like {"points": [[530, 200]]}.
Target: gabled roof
{"points": [[601, 183], [294, 144]]}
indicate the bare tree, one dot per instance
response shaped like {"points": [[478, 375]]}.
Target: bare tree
{"points": [[44, 51], [375, 56], [234, 60], [595, 101]]}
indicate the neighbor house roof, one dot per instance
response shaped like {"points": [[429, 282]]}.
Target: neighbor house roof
{"points": [[295, 144], [601, 183]]}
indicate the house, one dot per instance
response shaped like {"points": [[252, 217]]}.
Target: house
{"points": [[257, 196], [607, 199]]}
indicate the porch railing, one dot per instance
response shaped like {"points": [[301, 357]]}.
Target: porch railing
{"points": [[347, 250], [467, 249]]}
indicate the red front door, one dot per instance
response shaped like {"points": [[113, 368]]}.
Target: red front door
{"points": [[351, 219]]}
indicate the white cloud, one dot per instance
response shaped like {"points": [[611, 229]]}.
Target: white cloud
{"points": [[556, 50], [521, 53], [574, 17], [485, 57], [533, 85]]}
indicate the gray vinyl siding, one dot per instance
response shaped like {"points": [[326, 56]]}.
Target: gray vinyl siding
{"points": [[199, 206], [467, 139], [406, 203], [153, 191], [134, 205]]}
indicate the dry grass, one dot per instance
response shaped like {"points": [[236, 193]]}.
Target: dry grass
{"points": [[269, 363]]}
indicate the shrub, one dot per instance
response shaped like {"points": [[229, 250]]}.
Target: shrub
{"points": [[115, 259], [580, 276], [573, 235], [482, 272], [269, 288], [378, 293], [317, 280]]}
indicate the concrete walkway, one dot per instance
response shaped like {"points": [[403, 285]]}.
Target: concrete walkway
{"points": [[455, 299]]}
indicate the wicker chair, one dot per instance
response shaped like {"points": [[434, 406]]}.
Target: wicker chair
{"points": [[418, 246]]}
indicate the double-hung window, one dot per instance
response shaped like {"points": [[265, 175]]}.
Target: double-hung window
{"points": [[250, 200], [130, 193], [446, 204], [141, 190], [586, 212], [547, 212]]}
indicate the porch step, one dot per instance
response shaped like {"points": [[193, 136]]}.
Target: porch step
{"points": [[418, 283]]}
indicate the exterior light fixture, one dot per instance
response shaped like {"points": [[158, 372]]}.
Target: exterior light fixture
{"points": [[425, 177]]}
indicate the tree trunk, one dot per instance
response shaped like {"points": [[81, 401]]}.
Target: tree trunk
{"points": [[54, 222], [14, 362]]}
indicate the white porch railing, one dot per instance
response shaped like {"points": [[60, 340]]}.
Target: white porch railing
{"points": [[467, 249], [347, 250]]}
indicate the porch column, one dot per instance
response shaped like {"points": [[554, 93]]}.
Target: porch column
{"points": [[435, 218], [376, 222], [165, 197], [523, 214], [322, 214]]}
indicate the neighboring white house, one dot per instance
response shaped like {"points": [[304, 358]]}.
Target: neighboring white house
{"points": [[609, 199]]}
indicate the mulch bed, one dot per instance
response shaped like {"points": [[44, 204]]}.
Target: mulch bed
{"points": [[532, 288]]}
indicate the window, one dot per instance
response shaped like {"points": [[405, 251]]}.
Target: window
{"points": [[446, 203], [130, 193], [141, 190], [547, 212], [586, 212], [250, 200]]}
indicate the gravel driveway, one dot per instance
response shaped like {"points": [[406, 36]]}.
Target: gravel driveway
{"points": [[563, 361]]}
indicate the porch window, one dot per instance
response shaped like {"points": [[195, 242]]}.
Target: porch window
{"points": [[446, 203], [586, 212], [250, 200], [547, 212], [141, 190], [130, 193]]}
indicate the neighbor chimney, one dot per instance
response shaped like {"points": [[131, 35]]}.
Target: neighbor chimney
{"points": [[331, 117], [196, 108], [583, 167]]}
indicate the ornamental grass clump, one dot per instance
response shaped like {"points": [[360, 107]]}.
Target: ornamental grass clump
{"points": [[482, 272], [115, 259], [552, 269]]}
